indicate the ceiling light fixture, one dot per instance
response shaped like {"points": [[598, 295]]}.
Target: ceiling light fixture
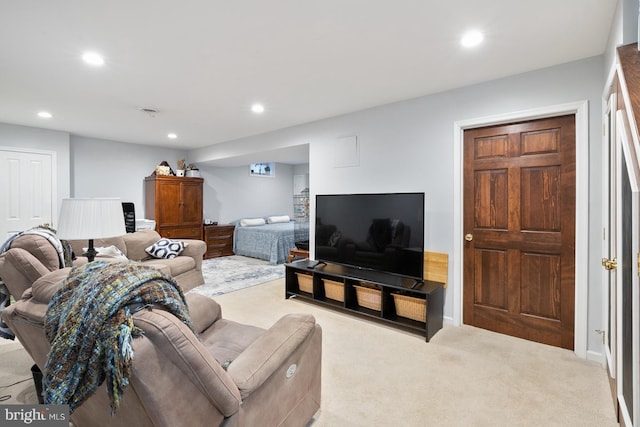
{"points": [[45, 115], [93, 58], [472, 39], [172, 136], [257, 108]]}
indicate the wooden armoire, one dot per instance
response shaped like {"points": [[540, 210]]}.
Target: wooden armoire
{"points": [[175, 203]]}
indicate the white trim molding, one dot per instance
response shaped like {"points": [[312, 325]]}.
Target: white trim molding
{"points": [[581, 111]]}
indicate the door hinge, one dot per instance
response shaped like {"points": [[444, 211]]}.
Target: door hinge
{"points": [[638, 263]]}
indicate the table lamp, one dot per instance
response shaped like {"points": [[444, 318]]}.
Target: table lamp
{"points": [[90, 219]]}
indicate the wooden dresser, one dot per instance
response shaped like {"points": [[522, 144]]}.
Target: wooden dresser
{"points": [[219, 239], [175, 203]]}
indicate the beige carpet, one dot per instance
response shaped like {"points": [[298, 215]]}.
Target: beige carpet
{"points": [[374, 375], [16, 383]]}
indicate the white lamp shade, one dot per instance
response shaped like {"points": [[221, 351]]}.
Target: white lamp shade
{"points": [[90, 219]]}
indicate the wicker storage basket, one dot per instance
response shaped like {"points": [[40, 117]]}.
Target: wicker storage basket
{"points": [[410, 307], [305, 282], [333, 290], [369, 297]]}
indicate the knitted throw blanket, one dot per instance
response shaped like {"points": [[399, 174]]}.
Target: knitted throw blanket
{"points": [[90, 328]]}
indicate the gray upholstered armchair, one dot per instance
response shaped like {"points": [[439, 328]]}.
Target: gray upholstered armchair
{"points": [[230, 374], [28, 258]]}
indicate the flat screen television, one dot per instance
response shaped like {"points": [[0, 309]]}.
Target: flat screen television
{"points": [[382, 231]]}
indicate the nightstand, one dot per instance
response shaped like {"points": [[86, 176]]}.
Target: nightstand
{"points": [[219, 240], [297, 253]]}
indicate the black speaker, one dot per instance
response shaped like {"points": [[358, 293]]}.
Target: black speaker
{"points": [[129, 211]]}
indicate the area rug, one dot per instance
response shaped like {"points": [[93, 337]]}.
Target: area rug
{"points": [[228, 274]]}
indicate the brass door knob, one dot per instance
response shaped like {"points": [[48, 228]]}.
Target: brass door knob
{"points": [[468, 237], [609, 264]]}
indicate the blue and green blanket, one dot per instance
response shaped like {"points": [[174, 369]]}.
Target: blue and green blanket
{"points": [[90, 327]]}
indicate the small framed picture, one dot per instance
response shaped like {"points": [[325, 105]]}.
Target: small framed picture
{"points": [[262, 169]]}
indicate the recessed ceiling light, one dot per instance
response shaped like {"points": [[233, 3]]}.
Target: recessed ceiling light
{"points": [[472, 38], [172, 136], [93, 58], [257, 108], [45, 115]]}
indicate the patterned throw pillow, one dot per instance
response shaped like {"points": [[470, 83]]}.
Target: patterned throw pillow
{"points": [[166, 248]]}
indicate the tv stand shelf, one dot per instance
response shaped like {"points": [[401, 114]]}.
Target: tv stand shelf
{"points": [[369, 293]]}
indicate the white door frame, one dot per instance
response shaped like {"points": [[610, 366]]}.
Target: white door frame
{"points": [[609, 304], [581, 111]]}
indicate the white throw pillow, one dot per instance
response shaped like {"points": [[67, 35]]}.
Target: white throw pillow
{"points": [[110, 252], [250, 222], [166, 248], [277, 219]]}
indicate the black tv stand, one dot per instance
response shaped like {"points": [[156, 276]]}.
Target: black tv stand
{"points": [[427, 293], [313, 264]]}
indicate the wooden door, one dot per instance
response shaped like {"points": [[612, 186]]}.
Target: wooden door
{"points": [[519, 220], [169, 194], [191, 202]]}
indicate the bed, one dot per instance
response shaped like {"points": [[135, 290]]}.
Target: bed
{"points": [[270, 242]]}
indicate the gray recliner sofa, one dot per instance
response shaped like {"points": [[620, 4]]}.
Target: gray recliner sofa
{"points": [[31, 256], [272, 376]]}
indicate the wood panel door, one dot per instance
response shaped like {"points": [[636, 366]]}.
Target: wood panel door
{"points": [[519, 224], [170, 196], [191, 199]]}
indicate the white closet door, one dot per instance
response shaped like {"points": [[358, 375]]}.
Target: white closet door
{"points": [[609, 240], [27, 188], [628, 294]]}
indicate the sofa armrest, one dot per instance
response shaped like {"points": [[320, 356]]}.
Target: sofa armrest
{"points": [[203, 311], [165, 337], [267, 353], [195, 249], [19, 269]]}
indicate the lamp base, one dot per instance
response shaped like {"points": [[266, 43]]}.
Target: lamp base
{"points": [[91, 252]]}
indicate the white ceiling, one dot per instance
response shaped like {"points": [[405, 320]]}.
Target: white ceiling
{"points": [[203, 63]]}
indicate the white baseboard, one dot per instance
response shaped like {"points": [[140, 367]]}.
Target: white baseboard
{"points": [[595, 356]]}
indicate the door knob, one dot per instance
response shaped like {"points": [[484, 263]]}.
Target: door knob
{"points": [[468, 237], [609, 264]]}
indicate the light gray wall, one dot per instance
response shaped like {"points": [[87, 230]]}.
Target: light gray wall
{"points": [[231, 194], [615, 38], [42, 139], [103, 168], [629, 21], [624, 30], [301, 169], [408, 146]]}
